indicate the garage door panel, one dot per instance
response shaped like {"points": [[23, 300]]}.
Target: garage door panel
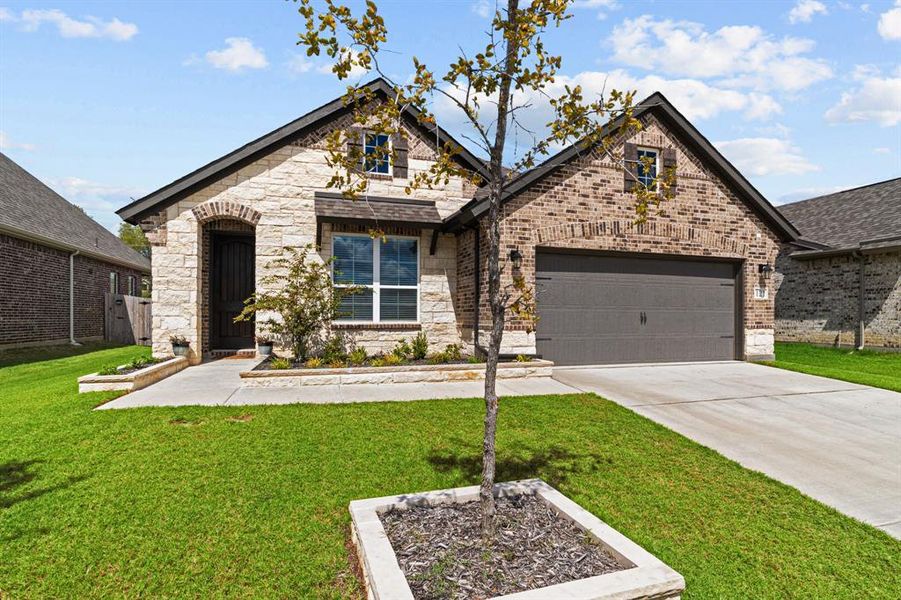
{"points": [[608, 309]]}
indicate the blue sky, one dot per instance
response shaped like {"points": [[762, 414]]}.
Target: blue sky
{"points": [[105, 101]]}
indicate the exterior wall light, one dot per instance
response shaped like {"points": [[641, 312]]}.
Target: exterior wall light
{"points": [[516, 258], [765, 269]]}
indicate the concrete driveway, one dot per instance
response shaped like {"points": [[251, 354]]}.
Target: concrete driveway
{"points": [[837, 442]]}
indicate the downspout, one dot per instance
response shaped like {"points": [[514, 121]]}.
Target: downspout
{"points": [[72, 298], [478, 283], [861, 300]]}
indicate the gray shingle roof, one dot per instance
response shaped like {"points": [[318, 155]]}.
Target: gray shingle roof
{"points": [[31, 209], [389, 211], [847, 218]]}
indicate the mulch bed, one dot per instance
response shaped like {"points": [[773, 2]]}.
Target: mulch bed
{"points": [[130, 369], [440, 550], [265, 365]]}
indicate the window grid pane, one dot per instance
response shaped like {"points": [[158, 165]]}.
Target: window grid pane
{"points": [[356, 307], [353, 260], [647, 176], [398, 304], [398, 262], [374, 146]]}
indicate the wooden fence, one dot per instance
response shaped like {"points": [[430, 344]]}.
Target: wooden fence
{"points": [[127, 319]]}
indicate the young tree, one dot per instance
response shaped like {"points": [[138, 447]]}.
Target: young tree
{"points": [[134, 237], [304, 299], [489, 88]]}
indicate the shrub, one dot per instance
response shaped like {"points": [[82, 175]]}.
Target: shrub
{"points": [[377, 361], [280, 364], [336, 364], [109, 370], [523, 358], [420, 346], [358, 356], [437, 358], [474, 360], [392, 360], [334, 349], [402, 349], [179, 340], [453, 352], [305, 302], [313, 363], [140, 362]]}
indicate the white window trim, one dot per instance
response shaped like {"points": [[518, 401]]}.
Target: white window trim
{"points": [[657, 154], [376, 286], [390, 173]]}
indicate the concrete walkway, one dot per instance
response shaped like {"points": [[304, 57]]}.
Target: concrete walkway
{"points": [[837, 442], [217, 383]]}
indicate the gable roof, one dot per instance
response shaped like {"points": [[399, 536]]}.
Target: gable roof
{"points": [[659, 106], [31, 210], [184, 186], [848, 218]]}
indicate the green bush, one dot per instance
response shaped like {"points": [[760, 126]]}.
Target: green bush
{"points": [[334, 349], [336, 364], [392, 360], [358, 356], [453, 352], [109, 370], [280, 364], [523, 358], [437, 358], [474, 360], [377, 361], [313, 363], [402, 349], [420, 346]]}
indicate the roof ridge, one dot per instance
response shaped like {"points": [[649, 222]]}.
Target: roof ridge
{"points": [[852, 189]]}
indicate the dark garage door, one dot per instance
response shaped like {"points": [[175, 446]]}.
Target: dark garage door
{"points": [[614, 309]]}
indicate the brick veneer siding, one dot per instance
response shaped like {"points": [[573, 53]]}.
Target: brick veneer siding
{"points": [[817, 300], [582, 205], [34, 293], [275, 194]]}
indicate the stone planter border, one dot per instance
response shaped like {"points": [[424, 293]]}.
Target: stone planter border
{"points": [[134, 380], [399, 374], [645, 576]]}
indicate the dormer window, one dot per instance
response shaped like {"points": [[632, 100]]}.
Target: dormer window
{"points": [[647, 173], [376, 153]]}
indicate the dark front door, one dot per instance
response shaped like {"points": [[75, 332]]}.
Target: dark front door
{"points": [[597, 309], [231, 282]]}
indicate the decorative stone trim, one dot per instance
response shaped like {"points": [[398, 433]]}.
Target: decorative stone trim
{"points": [[387, 375], [132, 381], [377, 326], [644, 576], [590, 229], [227, 209]]}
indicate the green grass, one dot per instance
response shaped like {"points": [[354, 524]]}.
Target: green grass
{"points": [[878, 369], [252, 501]]}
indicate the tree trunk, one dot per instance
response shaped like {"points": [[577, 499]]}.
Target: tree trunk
{"points": [[495, 299]]}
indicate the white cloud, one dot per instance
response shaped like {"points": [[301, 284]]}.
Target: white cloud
{"points": [[804, 11], [890, 23], [876, 98], [766, 156], [738, 55], [99, 200], [89, 27], [355, 70], [810, 192], [7, 144], [882, 150], [483, 8], [602, 6], [299, 63], [239, 54]]}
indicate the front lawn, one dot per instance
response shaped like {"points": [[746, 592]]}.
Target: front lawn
{"points": [[867, 367], [252, 501]]}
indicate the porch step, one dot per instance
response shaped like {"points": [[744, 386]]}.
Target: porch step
{"points": [[242, 353]]}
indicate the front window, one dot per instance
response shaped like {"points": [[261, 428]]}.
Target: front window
{"points": [[113, 283], [132, 286], [647, 173], [377, 153], [386, 271]]}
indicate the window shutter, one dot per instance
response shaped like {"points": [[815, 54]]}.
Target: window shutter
{"points": [[399, 143], [669, 162], [355, 143], [630, 157]]}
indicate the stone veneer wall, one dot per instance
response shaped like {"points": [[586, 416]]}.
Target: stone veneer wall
{"points": [[583, 205], [817, 300], [278, 190]]}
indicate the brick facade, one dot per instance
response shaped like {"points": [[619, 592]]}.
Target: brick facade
{"points": [[34, 303], [817, 300], [582, 205]]}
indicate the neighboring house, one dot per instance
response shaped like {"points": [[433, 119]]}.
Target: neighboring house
{"points": [[841, 283], [55, 265], [691, 285]]}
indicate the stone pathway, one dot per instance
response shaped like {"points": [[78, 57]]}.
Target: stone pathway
{"points": [[217, 383]]}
